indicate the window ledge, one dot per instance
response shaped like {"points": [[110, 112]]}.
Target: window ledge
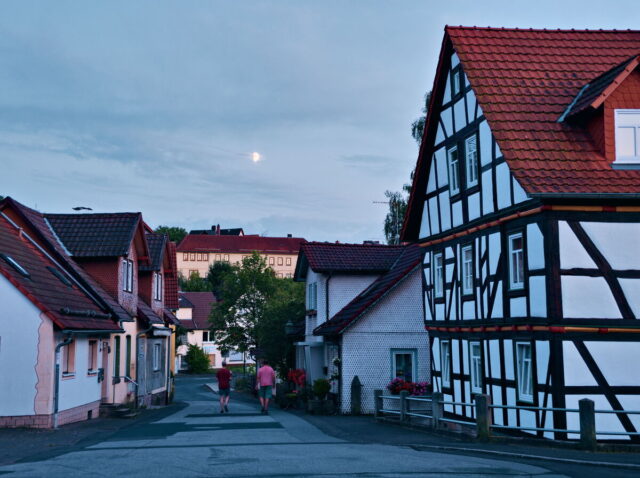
{"points": [[92, 373], [629, 164], [68, 375]]}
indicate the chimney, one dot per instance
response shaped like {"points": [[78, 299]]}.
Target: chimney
{"points": [[218, 230], [289, 235]]}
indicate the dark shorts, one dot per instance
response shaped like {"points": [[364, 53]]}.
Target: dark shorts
{"points": [[265, 392], [224, 392]]}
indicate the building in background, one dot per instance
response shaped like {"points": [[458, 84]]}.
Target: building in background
{"points": [[196, 252], [193, 315]]}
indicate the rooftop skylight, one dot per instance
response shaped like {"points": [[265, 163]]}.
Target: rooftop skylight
{"points": [[13, 263]]}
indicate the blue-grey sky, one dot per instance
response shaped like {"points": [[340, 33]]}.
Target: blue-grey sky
{"points": [[156, 106]]}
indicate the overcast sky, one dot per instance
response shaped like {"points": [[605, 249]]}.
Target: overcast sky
{"points": [[157, 106]]}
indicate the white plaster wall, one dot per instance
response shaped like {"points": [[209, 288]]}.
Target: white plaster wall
{"points": [[572, 254], [618, 242], [81, 388], [588, 297], [19, 323], [396, 322], [503, 178]]}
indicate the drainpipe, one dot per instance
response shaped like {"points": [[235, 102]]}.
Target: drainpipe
{"points": [[168, 370], [56, 392], [138, 335], [326, 301]]}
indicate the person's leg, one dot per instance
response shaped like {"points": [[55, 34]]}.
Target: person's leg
{"points": [[221, 403], [226, 403], [267, 396]]}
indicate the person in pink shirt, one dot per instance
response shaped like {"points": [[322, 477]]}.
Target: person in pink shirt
{"points": [[265, 381]]}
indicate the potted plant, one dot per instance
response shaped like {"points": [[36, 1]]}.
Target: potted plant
{"points": [[320, 389]]}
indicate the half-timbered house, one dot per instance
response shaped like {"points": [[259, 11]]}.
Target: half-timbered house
{"points": [[526, 201]]}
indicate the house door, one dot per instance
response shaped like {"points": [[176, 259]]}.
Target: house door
{"points": [[105, 374]]}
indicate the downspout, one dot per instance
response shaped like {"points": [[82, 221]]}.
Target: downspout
{"points": [[56, 392], [326, 301], [138, 335], [168, 371]]}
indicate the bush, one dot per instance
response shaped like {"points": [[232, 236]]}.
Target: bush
{"points": [[197, 360], [398, 385], [321, 387]]}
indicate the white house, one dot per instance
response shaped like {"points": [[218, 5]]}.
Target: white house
{"points": [[380, 334], [525, 200]]}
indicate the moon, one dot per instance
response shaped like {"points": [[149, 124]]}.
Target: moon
{"points": [[255, 157]]}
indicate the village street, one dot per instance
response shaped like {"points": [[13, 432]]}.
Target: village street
{"points": [[196, 441]]}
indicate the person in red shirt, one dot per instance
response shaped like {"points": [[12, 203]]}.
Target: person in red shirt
{"points": [[264, 384], [224, 385]]}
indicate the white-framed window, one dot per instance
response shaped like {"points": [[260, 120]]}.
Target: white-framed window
{"points": [[69, 359], [280, 261], [272, 261], [403, 364], [192, 256], [92, 366], [524, 371], [156, 357], [199, 256], [438, 275], [467, 270], [217, 259], [471, 160], [516, 261], [627, 123], [157, 286], [127, 275], [475, 366], [226, 257], [185, 256], [312, 296], [445, 362], [455, 82], [288, 261], [454, 177], [206, 336]]}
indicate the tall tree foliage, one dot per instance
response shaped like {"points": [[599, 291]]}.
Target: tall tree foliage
{"points": [[176, 234], [417, 127], [395, 216], [193, 283]]}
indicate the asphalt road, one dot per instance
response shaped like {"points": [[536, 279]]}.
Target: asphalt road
{"points": [[196, 440]]}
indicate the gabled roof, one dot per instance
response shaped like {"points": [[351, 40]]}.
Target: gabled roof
{"points": [[409, 260], [240, 244], [157, 243], [345, 258], [524, 80], [49, 284], [96, 235], [593, 94], [147, 314], [201, 303], [36, 220]]}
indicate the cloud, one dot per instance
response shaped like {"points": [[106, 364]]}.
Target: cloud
{"points": [[371, 163]]}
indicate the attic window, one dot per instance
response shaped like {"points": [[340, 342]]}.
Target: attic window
{"points": [[13, 263], [627, 124]]}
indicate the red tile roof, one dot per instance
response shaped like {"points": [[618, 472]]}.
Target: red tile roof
{"points": [[50, 286], [156, 251], [524, 80], [37, 221], [240, 244], [147, 314], [345, 258], [409, 259], [200, 303], [96, 235]]}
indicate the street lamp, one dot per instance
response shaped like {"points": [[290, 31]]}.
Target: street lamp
{"points": [[290, 328]]}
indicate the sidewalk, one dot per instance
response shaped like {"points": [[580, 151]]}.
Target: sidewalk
{"points": [[31, 444], [366, 429]]}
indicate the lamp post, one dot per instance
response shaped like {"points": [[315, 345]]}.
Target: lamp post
{"points": [[289, 327]]}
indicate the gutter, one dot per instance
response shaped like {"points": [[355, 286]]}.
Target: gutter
{"points": [[56, 392]]}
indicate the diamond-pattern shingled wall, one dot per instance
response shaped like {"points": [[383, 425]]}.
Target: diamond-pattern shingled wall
{"points": [[524, 80]]}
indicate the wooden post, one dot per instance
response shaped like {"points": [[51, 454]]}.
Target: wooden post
{"points": [[356, 396], [377, 399], [436, 409], [403, 405], [483, 418], [587, 424]]}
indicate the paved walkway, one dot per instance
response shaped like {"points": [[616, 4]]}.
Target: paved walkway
{"points": [[196, 441]]}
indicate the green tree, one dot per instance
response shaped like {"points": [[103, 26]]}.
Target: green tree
{"points": [[197, 360], [287, 303], [245, 292], [417, 127], [216, 277], [176, 234], [193, 283], [395, 216]]}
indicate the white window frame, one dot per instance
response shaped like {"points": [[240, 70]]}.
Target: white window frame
{"points": [[466, 269], [524, 371], [206, 336], [438, 275], [157, 285], [156, 357], [516, 259], [471, 160], [312, 296], [453, 167], [456, 89], [127, 275], [627, 119], [475, 366], [395, 353], [445, 363]]}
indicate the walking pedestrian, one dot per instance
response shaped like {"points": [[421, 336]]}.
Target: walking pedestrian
{"points": [[224, 386], [265, 382]]}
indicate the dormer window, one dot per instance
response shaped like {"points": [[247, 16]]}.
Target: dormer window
{"points": [[127, 275], [627, 123]]}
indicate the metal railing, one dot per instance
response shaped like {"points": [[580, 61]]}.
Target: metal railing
{"points": [[482, 424]]}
